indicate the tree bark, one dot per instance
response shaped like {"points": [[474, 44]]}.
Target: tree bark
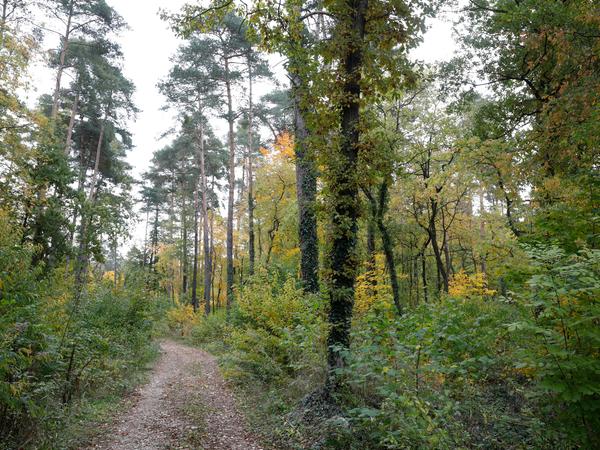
{"points": [[184, 253], [154, 241], [61, 66], [3, 20], [388, 247], [424, 276], [251, 253], [432, 231], [231, 193], [482, 228], [71, 124], [93, 187], [205, 225], [378, 209], [195, 263], [344, 184], [306, 189]]}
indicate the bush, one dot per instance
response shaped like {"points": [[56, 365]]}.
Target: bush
{"points": [[279, 334], [53, 352], [441, 376], [210, 330], [563, 323], [182, 319]]}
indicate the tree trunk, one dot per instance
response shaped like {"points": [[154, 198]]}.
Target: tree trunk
{"points": [[115, 271], [3, 22], [388, 247], [306, 189], [378, 209], [482, 228], [344, 186], [195, 263], [231, 193], [61, 66], [446, 245], [205, 225], [184, 275], [144, 254], [371, 249], [154, 241], [432, 230], [251, 254], [71, 124], [82, 257], [509, 204], [93, 187], [424, 277]]}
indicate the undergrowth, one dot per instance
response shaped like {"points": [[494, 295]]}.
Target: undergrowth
{"points": [[472, 370]]}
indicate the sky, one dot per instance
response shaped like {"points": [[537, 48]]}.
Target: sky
{"points": [[147, 46]]}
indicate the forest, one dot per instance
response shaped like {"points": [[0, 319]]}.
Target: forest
{"points": [[336, 245]]}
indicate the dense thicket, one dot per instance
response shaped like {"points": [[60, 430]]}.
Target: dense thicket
{"points": [[385, 254]]}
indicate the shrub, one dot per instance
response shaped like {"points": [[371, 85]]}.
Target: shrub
{"points": [[563, 325], [182, 319], [438, 377], [53, 353], [463, 285], [373, 289], [279, 335], [210, 329]]}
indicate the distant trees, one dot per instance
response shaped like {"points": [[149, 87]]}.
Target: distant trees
{"points": [[65, 194]]}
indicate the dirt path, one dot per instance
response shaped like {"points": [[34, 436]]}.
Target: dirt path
{"points": [[185, 405]]}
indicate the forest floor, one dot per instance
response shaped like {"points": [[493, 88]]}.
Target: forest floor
{"points": [[185, 405]]}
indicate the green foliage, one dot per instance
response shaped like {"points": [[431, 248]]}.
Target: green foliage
{"points": [[563, 317], [436, 378], [278, 334], [479, 372], [52, 355]]}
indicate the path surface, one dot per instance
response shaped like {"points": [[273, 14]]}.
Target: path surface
{"points": [[185, 405]]}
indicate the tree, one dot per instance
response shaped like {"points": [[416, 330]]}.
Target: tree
{"points": [[192, 88], [92, 18], [543, 79], [355, 28]]}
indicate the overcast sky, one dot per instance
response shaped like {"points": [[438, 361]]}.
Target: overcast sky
{"points": [[147, 46]]}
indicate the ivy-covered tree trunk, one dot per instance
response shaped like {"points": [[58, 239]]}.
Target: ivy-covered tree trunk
{"points": [[306, 191], [344, 192]]}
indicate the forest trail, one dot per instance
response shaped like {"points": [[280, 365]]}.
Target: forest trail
{"points": [[185, 405]]}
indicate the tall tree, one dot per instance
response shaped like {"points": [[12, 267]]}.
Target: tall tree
{"points": [[93, 18]]}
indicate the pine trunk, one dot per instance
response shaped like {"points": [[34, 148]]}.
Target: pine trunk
{"points": [[231, 193], [251, 255], [61, 65]]}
